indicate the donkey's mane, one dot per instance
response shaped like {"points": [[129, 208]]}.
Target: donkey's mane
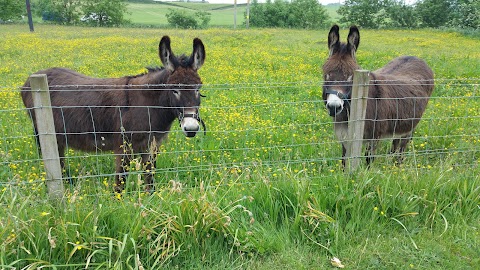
{"points": [[183, 60], [149, 70]]}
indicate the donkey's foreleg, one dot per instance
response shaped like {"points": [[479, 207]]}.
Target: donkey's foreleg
{"points": [[395, 144], [403, 145], [122, 163], [148, 162], [65, 169], [371, 150], [344, 153]]}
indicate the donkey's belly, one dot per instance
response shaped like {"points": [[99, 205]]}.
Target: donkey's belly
{"points": [[91, 141], [341, 132]]}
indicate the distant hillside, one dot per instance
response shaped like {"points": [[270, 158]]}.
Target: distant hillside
{"points": [[150, 13], [153, 13]]}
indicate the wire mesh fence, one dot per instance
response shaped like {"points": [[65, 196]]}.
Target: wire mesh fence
{"points": [[256, 131]]}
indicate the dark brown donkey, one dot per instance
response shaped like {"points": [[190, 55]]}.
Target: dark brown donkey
{"points": [[397, 97], [125, 115]]}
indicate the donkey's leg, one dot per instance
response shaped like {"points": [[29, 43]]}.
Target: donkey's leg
{"points": [[395, 144], [403, 145], [122, 161], [148, 162], [61, 154], [370, 152], [394, 149], [344, 153]]}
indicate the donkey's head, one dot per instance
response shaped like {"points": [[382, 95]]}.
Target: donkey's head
{"points": [[184, 83], [338, 70]]}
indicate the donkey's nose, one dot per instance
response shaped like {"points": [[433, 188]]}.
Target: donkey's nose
{"points": [[190, 126], [334, 109], [334, 105]]}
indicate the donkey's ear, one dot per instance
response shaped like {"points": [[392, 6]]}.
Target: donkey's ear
{"points": [[353, 40], [166, 55], [334, 39], [198, 54]]}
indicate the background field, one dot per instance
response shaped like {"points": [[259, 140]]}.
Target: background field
{"points": [[222, 15], [264, 188]]}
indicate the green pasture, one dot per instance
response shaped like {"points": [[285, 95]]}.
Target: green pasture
{"points": [[264, 188], [222, 15]]}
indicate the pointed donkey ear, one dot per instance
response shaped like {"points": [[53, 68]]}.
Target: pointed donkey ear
{"points": [[353, 40], [198, 54], [166, 55], [333, 40]]}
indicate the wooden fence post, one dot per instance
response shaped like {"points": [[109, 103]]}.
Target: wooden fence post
{"points": [[356, 122], [46, 135]]}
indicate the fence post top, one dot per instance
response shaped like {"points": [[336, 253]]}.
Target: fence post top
{"points": [[362, 71], [38, 75]]}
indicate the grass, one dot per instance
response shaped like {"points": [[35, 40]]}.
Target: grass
{"points": [[222, 15], [264, 188]]}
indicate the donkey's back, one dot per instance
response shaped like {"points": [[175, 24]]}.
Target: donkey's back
{"points": [[398, 96], [85, 109], [70, 88], [407, 70]]}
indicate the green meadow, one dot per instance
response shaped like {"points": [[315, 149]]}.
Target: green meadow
{"points": [[264, 188], [222, 15]]}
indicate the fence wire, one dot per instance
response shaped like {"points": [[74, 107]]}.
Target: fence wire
{"points": [[254, 130]]}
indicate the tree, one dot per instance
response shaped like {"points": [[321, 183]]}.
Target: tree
{"points": [[401, 15], [365, 13], [203, 18], [434, 13], [307, 14], [91, 12], [103, 12], [11, 9], [182, 19], [280, 13], [59, 11], [466, 14]]}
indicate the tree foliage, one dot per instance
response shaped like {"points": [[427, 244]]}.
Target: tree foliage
{"points": [[104, 12], [90, 12], [11, 10], [308, 14], [401, 15], [426, 13], [365, 13], [181, 19], [434, 13], [466, 14], [59, 11]]}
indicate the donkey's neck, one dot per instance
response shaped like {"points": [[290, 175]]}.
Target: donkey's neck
{"points": [[154, 76]]}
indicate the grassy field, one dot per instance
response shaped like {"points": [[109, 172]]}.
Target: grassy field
{"points": [[222, 15], [264, 189]]}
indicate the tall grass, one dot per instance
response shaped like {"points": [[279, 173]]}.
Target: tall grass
{"points": [[265, 188]]}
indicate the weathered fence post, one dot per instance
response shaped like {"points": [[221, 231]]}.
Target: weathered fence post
{"points": [[46, 135], [356, 122]]}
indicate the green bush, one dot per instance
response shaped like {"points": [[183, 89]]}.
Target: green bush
{"points": [[11, 10], [309, 14], [182, 19]]}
